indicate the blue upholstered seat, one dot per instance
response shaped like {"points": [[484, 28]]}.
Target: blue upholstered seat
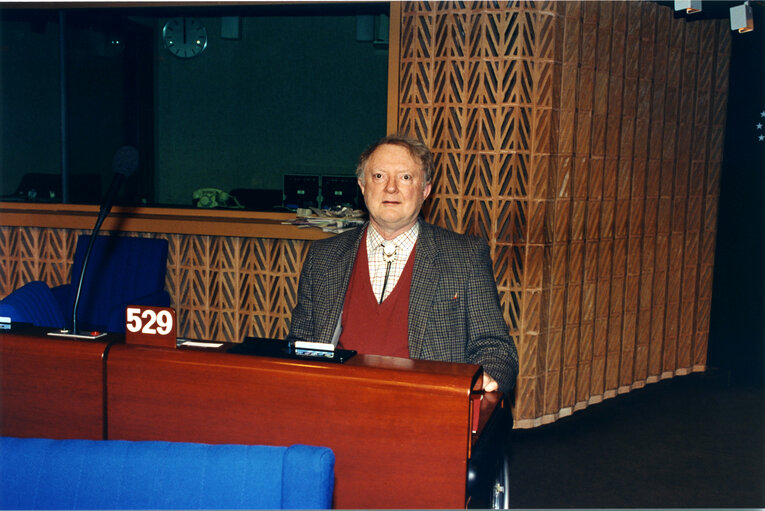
{"points": [[33, 303], [122, 271], [38, 473]]}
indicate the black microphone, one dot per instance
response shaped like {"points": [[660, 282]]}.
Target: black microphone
{"points": [[124, 163]]}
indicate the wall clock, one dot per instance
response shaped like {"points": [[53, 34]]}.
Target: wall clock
{"points": [[184, 37]]}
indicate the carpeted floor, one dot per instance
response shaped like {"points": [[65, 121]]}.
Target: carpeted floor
{"points": [[694, 441]]}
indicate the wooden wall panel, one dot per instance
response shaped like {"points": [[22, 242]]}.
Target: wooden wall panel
{"points": [[232, 287], [583, 140], [223, 288]]}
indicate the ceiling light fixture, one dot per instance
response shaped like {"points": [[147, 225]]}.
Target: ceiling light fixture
{"points": [[690, 6], [741, 18]]}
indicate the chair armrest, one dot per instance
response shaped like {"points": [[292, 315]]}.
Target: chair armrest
{"points": [[308, 477], [116, 321]]}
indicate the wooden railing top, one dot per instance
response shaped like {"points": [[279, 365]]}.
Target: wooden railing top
{"points": [[171, 220]]}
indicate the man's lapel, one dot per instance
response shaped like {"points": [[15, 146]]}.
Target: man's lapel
{"points": [[425, 278], [337, 278]]}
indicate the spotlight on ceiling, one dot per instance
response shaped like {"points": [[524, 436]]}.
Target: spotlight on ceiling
{"points": [[690, 6], [741, 18]]}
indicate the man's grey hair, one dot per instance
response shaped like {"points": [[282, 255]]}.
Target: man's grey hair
{"points": [[417, 149]]}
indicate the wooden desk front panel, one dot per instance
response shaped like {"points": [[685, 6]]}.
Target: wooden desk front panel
{"points": [[51, 387], [400, 437]]}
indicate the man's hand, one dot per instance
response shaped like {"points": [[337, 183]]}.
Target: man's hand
{"points": [[489, 383]]}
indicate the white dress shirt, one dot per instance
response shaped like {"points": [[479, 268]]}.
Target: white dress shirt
{"points": [[405, 243]]}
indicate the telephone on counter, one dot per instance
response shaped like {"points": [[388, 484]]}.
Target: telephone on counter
{"points": [[214, 198]]}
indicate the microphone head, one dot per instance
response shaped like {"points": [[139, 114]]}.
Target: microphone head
{"points": [[125, 160]]}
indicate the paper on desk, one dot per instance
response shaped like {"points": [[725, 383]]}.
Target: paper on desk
{"points": [[200, 344], [335, 220]]}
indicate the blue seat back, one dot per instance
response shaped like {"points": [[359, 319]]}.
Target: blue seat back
{"points": [[120, 269], [40, 473], [33, 303]]}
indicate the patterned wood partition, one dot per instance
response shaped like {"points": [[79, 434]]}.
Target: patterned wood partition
{"points": [[223, 288], [584, 141]]}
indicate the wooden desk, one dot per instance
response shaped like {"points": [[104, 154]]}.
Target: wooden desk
{"points": [[51, 387], [400, 429]]}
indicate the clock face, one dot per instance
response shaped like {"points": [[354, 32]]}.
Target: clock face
{"points": [[184, 37]]}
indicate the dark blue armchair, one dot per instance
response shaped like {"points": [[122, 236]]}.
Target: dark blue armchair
{"points": [[122, 271]]}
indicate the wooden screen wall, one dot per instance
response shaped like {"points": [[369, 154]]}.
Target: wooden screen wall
{"points": [[223, 288], [584, 141]]}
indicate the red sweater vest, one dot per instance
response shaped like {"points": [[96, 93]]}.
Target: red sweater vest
{"points": [[376, 328]]}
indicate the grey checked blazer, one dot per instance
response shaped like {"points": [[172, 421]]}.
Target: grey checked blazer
{"points": [[454, 310]]}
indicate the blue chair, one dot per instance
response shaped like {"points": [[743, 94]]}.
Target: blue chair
{"points": [[122, 271], [41, 473]]}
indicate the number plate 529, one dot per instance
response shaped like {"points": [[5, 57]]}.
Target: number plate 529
{"points": [[150, 326]]}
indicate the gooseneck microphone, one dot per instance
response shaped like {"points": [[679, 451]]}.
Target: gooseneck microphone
{"points": [[124, 163]]}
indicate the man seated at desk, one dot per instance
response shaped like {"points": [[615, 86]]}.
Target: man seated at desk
{"points": [[399, 286]]}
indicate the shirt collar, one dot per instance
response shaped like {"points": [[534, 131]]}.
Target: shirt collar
{"points": [[405, 241]]}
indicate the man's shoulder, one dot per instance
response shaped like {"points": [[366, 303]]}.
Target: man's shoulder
{"points": [[447, 237]]}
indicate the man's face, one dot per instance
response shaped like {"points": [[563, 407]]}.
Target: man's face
{"points": [[394, 190]]}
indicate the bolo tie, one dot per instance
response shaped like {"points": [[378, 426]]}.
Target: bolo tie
{"points": [[389, 255]]}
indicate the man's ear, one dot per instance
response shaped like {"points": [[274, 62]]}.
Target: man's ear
{"points": [[361, 184], [426, 191]]}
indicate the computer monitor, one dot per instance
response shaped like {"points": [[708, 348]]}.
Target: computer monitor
{"points": [[340, 191], [301, 191]]}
